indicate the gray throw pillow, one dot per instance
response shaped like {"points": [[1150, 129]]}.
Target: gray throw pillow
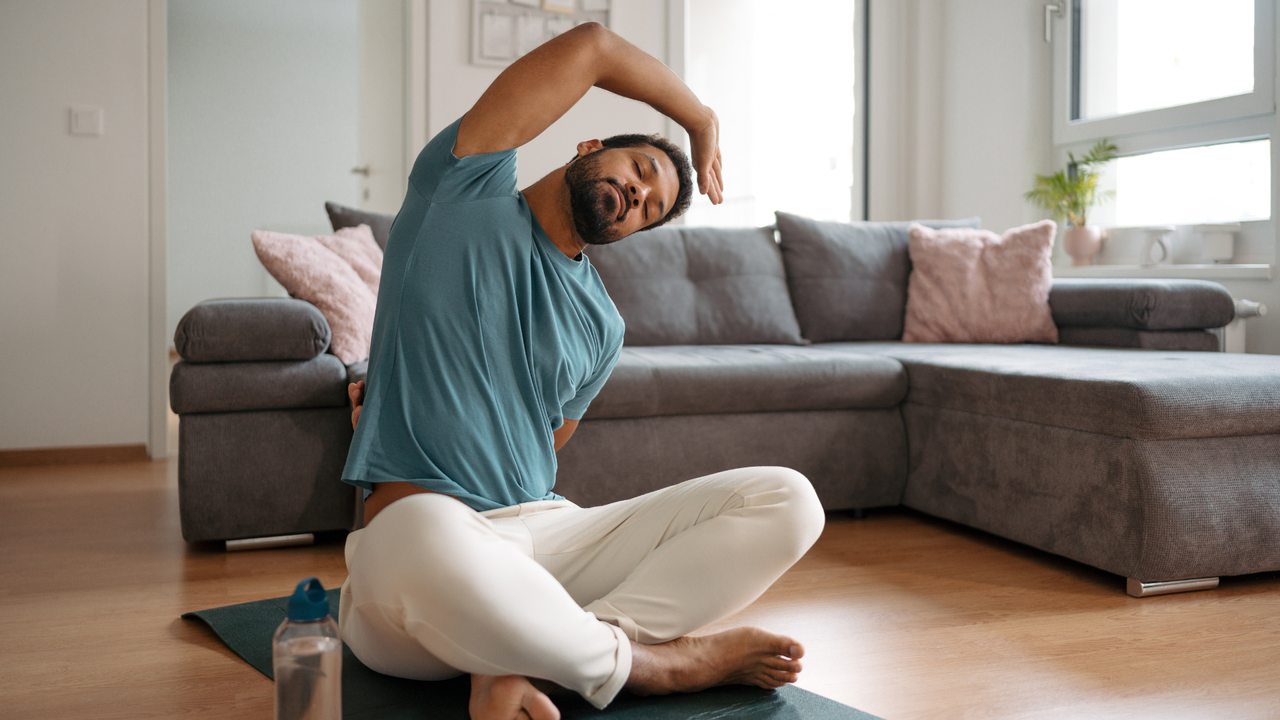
{"points": [[699, 286], [341, 216], [848, 281]]}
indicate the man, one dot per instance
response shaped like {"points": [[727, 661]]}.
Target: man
{"points": [[493, 334]]}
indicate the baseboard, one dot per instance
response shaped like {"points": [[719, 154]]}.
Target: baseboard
{"points": [[72, 455]]}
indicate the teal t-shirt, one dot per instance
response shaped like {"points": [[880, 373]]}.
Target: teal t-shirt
{"points": [[487, 337]]}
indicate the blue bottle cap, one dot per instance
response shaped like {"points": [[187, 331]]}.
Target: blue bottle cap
{"points": [[308, 602]]}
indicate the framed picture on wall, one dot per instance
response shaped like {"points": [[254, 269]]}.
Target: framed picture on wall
{"points": [[502, 31]]}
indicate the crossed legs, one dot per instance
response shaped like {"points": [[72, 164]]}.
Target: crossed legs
{"points": [[590, 599]]}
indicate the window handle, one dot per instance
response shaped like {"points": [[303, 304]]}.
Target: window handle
{"points": [[1049, 11]]}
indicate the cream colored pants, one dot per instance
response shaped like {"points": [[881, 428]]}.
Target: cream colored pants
{"points": [[554, 591]]}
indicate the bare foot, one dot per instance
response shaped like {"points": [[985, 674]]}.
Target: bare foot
{"points": [[742, 656], [509, 697]]}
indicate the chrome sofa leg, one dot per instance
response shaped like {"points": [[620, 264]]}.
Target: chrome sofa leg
{"points": [[1137, 588], [275, 541]]}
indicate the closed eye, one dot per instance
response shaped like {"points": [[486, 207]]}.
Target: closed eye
{"points": [[640, 174]]}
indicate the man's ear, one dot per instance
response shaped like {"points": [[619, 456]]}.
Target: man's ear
{"points": [[586, 147]]}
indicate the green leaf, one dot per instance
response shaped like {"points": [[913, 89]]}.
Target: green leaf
{"points": [[1069, 194]]}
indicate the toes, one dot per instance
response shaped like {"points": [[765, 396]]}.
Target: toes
{"points": [[780, 663], [772, 680], [538, 705], [782, 678], [785, 646]]}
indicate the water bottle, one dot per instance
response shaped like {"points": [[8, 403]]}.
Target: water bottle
{"points": [[306, 657]]}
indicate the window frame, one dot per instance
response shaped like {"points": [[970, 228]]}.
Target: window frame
{"points": [[1209, 122]]}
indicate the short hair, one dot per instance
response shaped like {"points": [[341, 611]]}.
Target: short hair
{"points": [[684, 171]]}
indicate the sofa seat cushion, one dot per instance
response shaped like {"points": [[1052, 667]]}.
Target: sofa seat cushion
{"points": [[230, 387], [1138, 394], [705, 379]]}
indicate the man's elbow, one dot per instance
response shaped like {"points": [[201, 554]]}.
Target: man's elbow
{"points": [[590, 36], [591, 31]]}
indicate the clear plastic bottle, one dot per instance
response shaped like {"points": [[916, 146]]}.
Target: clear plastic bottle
{"points": [[306, 658]]}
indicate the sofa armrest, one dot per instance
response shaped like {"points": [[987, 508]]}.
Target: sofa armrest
{"points": [[252, 330], [1141, 304], [320, 382]]}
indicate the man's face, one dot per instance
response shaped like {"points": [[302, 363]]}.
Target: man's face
{"points": [[615, 192]]}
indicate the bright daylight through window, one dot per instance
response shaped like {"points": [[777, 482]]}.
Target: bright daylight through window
{"points": [[787, 132], [1183, 71], [1147, 54], [1215, 183]]}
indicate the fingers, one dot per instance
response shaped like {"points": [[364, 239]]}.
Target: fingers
{"points": [[355, 417], [711, 184], [719, 175], [708, 161]]}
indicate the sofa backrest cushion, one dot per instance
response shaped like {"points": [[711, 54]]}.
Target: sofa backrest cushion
{"points": [[341, 216], [848, 281], [699, 286]]}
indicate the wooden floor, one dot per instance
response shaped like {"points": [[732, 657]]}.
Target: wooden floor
{"points": [[903, 617]]}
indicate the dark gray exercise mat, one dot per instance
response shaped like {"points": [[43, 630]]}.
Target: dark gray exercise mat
{"points": [[366, 695]]}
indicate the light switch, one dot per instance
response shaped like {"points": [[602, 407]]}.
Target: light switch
{"points": [[86, 121]]}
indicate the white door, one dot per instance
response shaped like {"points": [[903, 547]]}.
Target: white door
{"points": [[382, 168], [271, 107]]}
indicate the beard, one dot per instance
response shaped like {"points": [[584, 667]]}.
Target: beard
{"points": [[592, 201]]}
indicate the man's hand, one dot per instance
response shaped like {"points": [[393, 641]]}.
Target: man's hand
{"points": [[705, 144], [355, 391]]}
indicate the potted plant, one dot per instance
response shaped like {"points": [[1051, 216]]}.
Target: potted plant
{"points": [[1069, 194]]}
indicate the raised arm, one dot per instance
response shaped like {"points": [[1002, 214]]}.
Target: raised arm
{"points": [[540, 87]]}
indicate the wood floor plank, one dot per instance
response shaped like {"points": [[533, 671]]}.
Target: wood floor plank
{"points": [[902, 615]]}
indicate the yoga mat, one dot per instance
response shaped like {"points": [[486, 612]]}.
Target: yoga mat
{"points": [[366, 695]]}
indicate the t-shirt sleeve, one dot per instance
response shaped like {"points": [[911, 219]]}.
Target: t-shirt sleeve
{"points": [[440, 176], [577, 407]]}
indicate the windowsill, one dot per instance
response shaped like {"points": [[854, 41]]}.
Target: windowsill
{"points": [[1259, 271]]}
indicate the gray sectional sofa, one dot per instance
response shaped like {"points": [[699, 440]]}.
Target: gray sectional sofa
{"points": [[1127, 446]]}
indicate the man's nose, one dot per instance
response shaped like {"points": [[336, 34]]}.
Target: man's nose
{"points": [[637, 194]]}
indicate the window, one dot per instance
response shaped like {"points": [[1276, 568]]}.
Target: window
{"points": [[781, 78], [1185, 89], [1212, 183], [1139, 55]]}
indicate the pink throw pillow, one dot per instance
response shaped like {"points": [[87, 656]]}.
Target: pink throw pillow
{"points": [[357, 246], [312, 272], [973, 286]]}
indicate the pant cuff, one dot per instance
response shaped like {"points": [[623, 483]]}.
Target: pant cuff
{"points": [[621, 672]]}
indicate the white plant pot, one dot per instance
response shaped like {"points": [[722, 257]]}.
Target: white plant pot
{"points": [[1082, 243]]}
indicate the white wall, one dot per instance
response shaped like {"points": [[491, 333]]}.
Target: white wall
{"points": [[454, 84], [960, 109], [74, 242], [263, 113]]}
